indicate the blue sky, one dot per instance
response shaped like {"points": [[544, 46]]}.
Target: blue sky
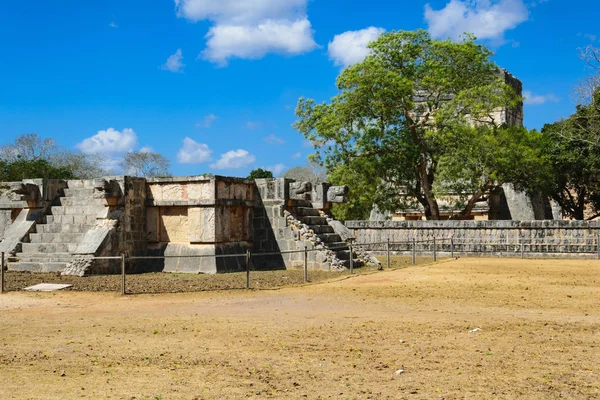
{"points": [[212, 85]]}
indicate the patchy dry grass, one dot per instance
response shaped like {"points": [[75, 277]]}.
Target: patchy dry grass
{"points": [[342, 339], [178, 283]]}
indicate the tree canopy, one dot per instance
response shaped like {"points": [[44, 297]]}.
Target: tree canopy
{"points": [[260, 173], [572, 173], [31, 156], [415, 120], [145, 164]]}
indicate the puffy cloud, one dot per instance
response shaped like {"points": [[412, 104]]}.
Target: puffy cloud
{"points": [[351, 47], [146, 149], [531, 99], [207, 121], [276, 169], [234, 159], [486, 19], [250, 29], [113, 25], [253, 42], [272, 139], [193, 152], [296, 155], [174, 62], [109, 141]]}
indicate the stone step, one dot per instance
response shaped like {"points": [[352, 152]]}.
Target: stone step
{"points": [[356, 263], [79, 192], [329, 237], [80, 183], [37, 266], [41, 257], [49, 247], [322, 229], [303, 203], [92, 210], [337, 246], [307, 212], [312, 220], [82, 201], [61, 237], [66, 228], [343, 254], [71, 219]]}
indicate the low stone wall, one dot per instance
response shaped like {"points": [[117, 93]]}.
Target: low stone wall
{"points": [[484, 238]]}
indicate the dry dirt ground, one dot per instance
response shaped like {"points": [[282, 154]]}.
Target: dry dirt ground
{"points": [[342, 339]]}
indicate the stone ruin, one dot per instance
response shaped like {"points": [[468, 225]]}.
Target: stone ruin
{"points": [[61, 225]]}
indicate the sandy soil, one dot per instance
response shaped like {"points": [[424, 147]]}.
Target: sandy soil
{"points": [[347, 339]]}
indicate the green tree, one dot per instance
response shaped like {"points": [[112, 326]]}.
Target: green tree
{"points": [[28, 169], [260, 173], [145, 164], [412, 111], [28, 150], [573, 157]]}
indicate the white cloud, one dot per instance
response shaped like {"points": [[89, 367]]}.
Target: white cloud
{"points": [[351, 47], [276, 169], [234, 159], [109, 141], [193, 152], [113, 25], [250, 29], [590, 36], [207, 121], [239, 11], [531, 99], [174, 62], [146, 149], [486, 19], [297, 155], [254, 125], [273, 139]]}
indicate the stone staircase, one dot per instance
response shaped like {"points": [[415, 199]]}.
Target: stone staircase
{"points": [[326, 235], [51, 248]]}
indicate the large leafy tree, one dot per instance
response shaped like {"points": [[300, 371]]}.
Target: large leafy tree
{"points": [[573, 158], [420, 116], [260, 173]]}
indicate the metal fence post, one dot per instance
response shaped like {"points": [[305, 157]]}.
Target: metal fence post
{"points": [[248, 261], [414, 252], [2, 274], [522, 250], [434, 250], [351, 260], [452, 247], [389, 264], [123, 291], [305, 264]]}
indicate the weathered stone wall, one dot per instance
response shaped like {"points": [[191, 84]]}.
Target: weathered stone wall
{"points": [[22, 205], [273, 233], [192, 219], [541, 238]]}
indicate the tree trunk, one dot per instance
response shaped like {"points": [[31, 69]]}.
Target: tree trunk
{"points": [[428, 192]]}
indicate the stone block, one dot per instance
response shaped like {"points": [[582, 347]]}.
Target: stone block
{"points": [[201, 191], [202, 225], [174, 224]]}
